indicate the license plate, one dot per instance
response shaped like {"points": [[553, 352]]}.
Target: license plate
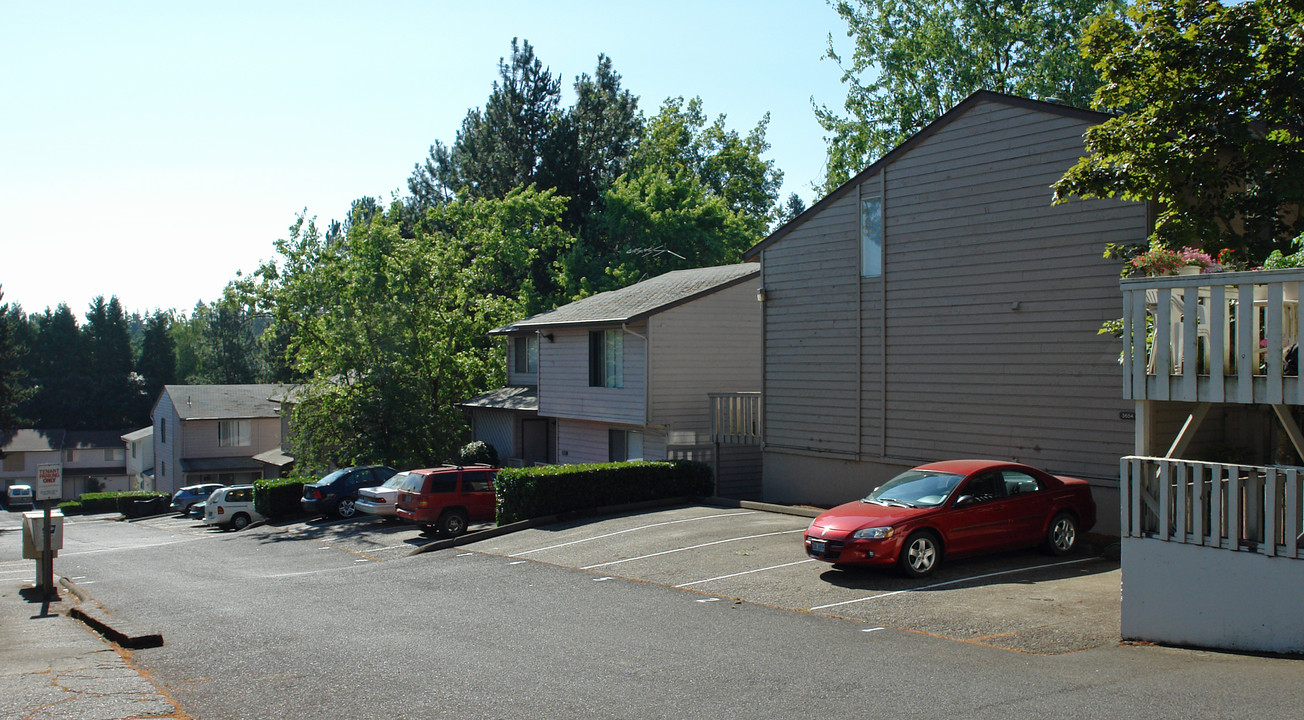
{"points": [[817, 546]]}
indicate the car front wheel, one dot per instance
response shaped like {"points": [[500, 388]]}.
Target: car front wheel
{"points": [[239, 522], [1062, 535], [346, 509], [920, 554]]}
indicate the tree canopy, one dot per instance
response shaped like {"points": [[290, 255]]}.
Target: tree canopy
{"points": [[1209, 124], [913, 61], [391, 332]]}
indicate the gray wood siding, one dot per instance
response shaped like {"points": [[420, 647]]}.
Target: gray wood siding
{"points": [[587, 442], [712, 344], [812, 282], [564, 390], [981, 337], [970, 234], [518, 378], [496, 427], [740, 472], [167, 455], [200, 438]]}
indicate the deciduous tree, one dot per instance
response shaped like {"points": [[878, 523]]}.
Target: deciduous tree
{"points": [[1209, 123], [914, 60]]}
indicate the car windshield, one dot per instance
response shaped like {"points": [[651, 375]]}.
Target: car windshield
{"points": [[915, 488]]}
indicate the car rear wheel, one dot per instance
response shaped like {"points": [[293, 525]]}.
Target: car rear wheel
{"points": [[346, 508], [920, 554], [1062, 535], [452, 523], [240, 521]]}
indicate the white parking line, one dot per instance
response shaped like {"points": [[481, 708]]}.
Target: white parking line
{"points": [[693, 547], [641, 527], [949, 582], [746, 572], [128, 548]]}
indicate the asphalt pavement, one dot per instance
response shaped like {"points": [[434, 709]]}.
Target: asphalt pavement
{"points": [[53, 666], [585, 592]]}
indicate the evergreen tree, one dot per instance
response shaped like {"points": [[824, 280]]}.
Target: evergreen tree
{"points": [[157, 363], [12, 391]]}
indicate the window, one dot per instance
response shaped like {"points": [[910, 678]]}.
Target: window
{"points": [[625, 445], [114, 453], [163, 431], [525, 352], [476, 481], [70, 455], [232, 433], [871, 236], [133, 451], [606, 358], [162, 469], [443, 482], [1017, 483], [14, 462]]}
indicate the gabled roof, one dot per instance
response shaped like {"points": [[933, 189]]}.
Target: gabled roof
{"points": [[140, 434], [224, 402], [981, 96], [639, 300], [32, 441]]}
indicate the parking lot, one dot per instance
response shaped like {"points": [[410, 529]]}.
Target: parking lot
{"points": [[1025, 601]]}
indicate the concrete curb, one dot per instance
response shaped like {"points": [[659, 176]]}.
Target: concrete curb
{"points": [[509, 528], [115, 629]]}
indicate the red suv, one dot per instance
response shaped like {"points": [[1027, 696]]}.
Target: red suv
{"points": [[445, 499]]}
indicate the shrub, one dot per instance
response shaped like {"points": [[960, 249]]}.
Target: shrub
{"points": [[71, 507], [106, 502], [524, 493], [279, 497], [478, 451]]}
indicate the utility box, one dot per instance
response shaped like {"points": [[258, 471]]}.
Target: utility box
{"points": [[34, 533]]}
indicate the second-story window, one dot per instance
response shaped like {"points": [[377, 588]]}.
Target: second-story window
{"points": [[525, 354], [871, 236], [233, 433], [606, 358]]}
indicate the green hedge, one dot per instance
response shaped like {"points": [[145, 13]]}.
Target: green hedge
{"points": [[524, 493], [107, 502], [71, 507], [279, 497]]}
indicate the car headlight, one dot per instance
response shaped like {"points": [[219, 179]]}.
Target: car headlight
{"points": [[874, 533]]}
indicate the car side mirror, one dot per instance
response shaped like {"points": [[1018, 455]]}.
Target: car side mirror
{"points": [[966, 500]]}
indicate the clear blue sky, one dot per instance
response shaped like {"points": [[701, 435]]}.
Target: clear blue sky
{"points": [[153, 149]]}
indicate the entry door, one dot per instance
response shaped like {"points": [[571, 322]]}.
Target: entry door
{"points": [[534, 441]]}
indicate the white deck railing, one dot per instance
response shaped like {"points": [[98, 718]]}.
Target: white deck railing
{"points": [[1218, 337], [1241, 508], [736, 418]]}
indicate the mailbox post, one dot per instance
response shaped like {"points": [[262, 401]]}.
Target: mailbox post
{"points": [[42, 541], [49, 490]]}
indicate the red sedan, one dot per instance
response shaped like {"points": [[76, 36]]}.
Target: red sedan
{"points": [[951, 509]]}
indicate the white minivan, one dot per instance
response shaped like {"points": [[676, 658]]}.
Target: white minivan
{"points": [[18, 496], [232, 507]]}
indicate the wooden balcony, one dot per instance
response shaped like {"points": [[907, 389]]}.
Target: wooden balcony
{"points": [[1242, 508], [1213, 338], [736, 418]]}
